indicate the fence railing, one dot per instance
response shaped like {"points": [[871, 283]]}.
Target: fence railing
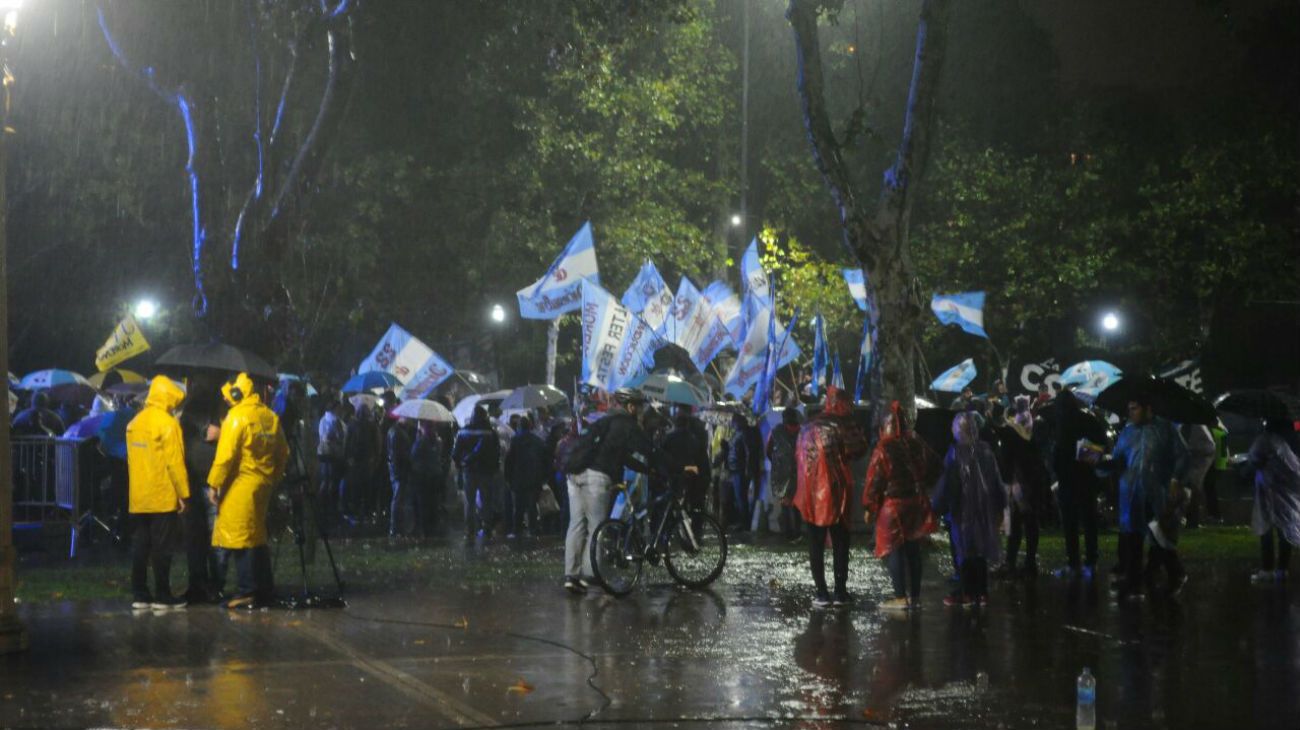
{"points": [[47, 481]]}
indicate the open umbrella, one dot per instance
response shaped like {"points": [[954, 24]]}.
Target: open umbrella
{"points": [[216, 356], [363, 400], [371, 380], [670, 388], [1258, 403], [423, 410], [1169, 399], [114, 377], [62, 385], [527, 397], [311, 389], [464, 410], [86, 428]]}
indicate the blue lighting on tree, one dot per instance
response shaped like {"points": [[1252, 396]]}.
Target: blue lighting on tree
{"points": [[183, 107]]}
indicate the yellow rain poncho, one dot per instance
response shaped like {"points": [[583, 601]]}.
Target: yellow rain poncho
{"points": [[155, 452], [251, 456]]}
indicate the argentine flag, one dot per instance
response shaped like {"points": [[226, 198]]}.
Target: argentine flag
{"points": [[617, 345], [649, 296], [1090, 377], [726, 305], [753, 276], [857, 282], [819, 357], [412, 362], [864, 360], [560, 290], [955, 378], [966, 310]]}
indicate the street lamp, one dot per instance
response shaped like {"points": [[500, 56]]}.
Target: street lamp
{"points": [[1110, 322], [146, 309], [498, 313], [736, 220]]}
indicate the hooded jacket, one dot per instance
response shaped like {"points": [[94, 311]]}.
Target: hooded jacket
{"points": [[155, 452], [898, 475], [827, 447], [251, 456]]}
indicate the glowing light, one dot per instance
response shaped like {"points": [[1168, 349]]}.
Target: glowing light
{"points": [[146, 309], [498, 313], [1110, 322], [736, 220]]}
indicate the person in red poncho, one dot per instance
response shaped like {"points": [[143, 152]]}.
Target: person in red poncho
{"points": [[828, 445], [900, 469]]}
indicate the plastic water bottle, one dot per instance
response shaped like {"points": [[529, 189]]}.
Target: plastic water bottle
{"points": [[1085, 712]]}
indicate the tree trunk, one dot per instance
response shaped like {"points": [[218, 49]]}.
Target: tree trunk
{"points": [[877, 236]]}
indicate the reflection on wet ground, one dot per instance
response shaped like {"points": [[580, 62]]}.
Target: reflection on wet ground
{"points": [[484, 636]]}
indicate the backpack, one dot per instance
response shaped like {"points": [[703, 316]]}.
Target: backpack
{"points": [[583, 453]]}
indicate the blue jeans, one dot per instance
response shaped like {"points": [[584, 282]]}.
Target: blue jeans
{"points": [[252, 571]]}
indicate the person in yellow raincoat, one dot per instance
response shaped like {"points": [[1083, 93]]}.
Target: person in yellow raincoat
{"points": [[250, 461], [157, 489]]}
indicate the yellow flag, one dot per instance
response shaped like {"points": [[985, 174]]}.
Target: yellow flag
{"points": [[126, 342]]}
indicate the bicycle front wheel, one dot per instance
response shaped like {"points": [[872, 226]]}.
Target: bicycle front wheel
{"points": [[697, 550], [617, 556]]}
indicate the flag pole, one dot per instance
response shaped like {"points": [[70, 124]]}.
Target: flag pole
{"points": [[552, 345]]}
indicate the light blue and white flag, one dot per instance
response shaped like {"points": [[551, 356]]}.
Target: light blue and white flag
{"points": [[649, 295], [715, 338], [751, 358], [559, 290], [776, 351], [966, 310], [726, 305], [955, 378], [837, 375], [752, 275], [412, 362], [1090, 377], [617, 345], [864, 361], [819, 361], [857, 282]]}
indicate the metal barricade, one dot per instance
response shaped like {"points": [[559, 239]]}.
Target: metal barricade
{"points": [[47, 481]]}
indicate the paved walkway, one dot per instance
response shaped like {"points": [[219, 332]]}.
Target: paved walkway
{"points": [[749, 653]]}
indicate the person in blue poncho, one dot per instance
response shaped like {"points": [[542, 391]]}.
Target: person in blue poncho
{"points": [[1151, 458]]}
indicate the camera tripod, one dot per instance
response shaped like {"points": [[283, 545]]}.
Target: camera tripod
{"points": [[297, 487]]}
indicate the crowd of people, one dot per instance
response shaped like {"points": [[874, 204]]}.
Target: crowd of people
{"points": [[195, 470]]}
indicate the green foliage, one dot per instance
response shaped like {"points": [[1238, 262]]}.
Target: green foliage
{"points": [[809, 283]]}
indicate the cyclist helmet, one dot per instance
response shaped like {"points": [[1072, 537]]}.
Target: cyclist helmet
{"points": [[623, 396]]}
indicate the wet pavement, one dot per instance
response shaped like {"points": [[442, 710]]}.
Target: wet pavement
{"points": [[464, 643]]}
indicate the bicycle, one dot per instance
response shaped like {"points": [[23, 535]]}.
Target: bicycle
{"points": [[691, 544]]}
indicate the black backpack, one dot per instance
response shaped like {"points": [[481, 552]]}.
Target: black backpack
{"points": [[583, 453]]}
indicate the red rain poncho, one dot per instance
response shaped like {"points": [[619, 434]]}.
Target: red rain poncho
{"points": [[828, 446], [899, 473]]}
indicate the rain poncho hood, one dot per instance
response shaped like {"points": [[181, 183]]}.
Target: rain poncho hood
{"points": [[250, 460], [244, 385], [155, 453], [901, 467], [827, 447]]}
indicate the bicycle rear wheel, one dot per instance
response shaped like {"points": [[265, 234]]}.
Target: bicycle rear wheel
{"points": [[697, 550], [617, 553]]}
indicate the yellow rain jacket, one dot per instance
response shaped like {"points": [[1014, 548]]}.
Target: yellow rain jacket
{"points": [[251, 456], [155, 452]]}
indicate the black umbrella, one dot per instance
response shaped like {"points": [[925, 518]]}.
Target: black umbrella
{"points": [[1255, 403], [1169, 399], [672, 357], [216, 356]]}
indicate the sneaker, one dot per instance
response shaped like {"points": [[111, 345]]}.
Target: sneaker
{"points": [[574, 586], [842, 600], [141, 603], [584, 582], [238, 602], [167, 603], [956, 600], [821, 600], [1177, 586], [897, 603]]}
